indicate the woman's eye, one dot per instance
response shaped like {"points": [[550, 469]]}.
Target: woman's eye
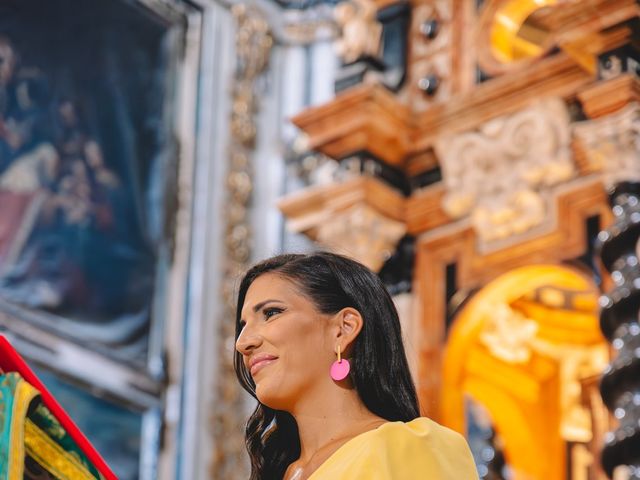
{"points": [[270, 312]]}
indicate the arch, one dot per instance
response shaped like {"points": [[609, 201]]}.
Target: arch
{"points": [[522, 395], [509, 422]]}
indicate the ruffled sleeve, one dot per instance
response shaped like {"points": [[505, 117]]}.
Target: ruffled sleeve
{"points": [[420, 449]]}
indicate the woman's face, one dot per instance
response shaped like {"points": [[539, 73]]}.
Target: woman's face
{"points": [[285, 343]]}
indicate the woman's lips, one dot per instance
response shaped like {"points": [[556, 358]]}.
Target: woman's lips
{"points": [[260, 365]]}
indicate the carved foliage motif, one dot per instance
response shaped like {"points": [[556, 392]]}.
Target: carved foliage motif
{"points": [[612, 145], [362, 233], [360, 31], [253, 46], [497, 175]]}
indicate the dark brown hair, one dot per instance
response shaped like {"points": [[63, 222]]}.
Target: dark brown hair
{"points": [[379, 368]]}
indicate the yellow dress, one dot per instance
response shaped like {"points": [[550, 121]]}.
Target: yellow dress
{"points": [[419, 449]]}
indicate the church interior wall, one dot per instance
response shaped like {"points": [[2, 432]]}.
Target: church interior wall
{"points": [[488, 173]]}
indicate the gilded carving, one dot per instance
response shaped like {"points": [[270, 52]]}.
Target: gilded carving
{"points": [[508, 334], [576, 363], [253, 46], [514, 338], [513, 36], [499, 175], [612, 144]]}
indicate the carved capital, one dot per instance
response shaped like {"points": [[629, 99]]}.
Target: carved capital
{"points": [[611, 144], [497, 175], [362, 233], [362, 218]]}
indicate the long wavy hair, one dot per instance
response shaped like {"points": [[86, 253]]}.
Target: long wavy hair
{"points": [[379, 368]]}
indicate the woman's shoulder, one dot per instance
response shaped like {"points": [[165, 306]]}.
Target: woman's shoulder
{"points": [[421, 433], [420, 448], [421, 427]]}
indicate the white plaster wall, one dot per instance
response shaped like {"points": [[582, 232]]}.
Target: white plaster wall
{"points": [[298, 76], [189, 442]]}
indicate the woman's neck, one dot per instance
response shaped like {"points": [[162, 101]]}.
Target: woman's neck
{"points": [[326, 423]]}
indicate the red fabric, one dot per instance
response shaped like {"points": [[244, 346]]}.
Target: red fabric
{"points": [[11, 361]]}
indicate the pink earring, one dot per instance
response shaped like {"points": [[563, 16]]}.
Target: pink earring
{"points": [[340, 368]]}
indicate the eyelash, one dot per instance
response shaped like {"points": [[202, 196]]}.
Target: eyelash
{"points": [[266, 312], [273, 310]]}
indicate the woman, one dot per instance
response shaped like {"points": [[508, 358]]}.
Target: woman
{"points": [[319, 346]]}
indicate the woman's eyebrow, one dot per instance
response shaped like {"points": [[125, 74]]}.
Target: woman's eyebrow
{"points": [[258, 306]]}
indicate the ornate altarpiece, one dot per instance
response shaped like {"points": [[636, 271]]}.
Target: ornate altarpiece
{"points": [[516, 120]]}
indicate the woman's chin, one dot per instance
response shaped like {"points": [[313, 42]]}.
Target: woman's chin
{"points": [[270, 397]]}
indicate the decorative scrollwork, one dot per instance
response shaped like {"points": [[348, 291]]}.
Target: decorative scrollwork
{"points": [[497, 175], [611, 145], [253, 46]]}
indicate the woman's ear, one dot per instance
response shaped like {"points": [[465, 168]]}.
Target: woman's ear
{"points": [[349, 323]]}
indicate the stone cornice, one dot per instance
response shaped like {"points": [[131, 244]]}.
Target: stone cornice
{"points": [[421, 211], [366, 117], [608, 96], [573, 21]]}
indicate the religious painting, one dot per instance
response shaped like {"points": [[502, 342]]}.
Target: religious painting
{"points": [[87, 166]]}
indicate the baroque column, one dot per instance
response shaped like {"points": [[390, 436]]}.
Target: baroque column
{"points": [[620, 385], [611, 142]]}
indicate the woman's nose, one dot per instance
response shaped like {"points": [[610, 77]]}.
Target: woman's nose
{"points": [[247, 341]]}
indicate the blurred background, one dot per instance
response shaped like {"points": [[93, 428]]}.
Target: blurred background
{"points": [[483, 156]]}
